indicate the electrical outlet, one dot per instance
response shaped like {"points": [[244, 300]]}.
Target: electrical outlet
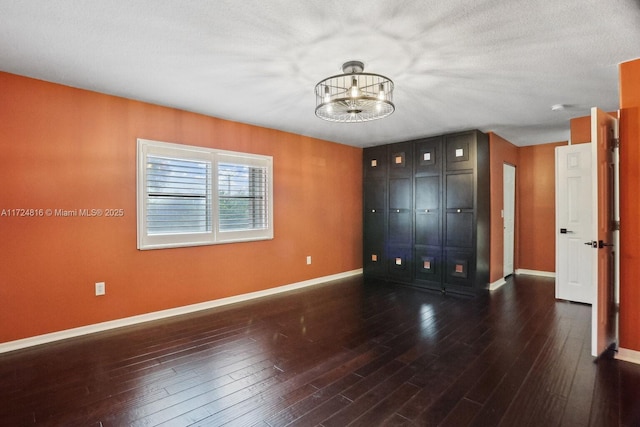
{"points": [[100, 288], [308, 259]]}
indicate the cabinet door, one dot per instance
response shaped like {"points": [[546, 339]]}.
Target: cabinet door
{"points": [[459, 231], [428, 156], [459, 219], [375, 211], [401, 160], [428, 212], [375, 162], [459, 269], [460, 190], [399, 263], [460, 151], [374, 261], [400, 201], [374, 226], [428, 266], [375, 193]]}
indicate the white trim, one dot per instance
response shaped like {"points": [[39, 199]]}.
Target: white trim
{"points": [[497, 284], [162, 314], [627, 355], [536, 272]]}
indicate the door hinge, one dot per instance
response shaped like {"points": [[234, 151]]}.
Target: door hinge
{"points": [[615, 142], [615, 226]]}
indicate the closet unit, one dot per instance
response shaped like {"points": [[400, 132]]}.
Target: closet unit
{"points": [[426, 212]]}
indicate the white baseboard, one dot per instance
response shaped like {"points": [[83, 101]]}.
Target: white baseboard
{"points": [[628, 355], [497, 284], [536, 272], [162, 314]]}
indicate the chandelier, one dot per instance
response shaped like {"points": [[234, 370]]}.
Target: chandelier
{"points": [[354, 96]]}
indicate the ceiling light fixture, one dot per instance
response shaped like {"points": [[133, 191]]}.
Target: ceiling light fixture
{"points": [[354, 96]]}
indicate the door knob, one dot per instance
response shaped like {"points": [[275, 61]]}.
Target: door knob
{"points": [[565, 231], [593, 244]]}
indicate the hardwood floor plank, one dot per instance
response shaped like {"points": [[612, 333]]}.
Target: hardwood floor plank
{"points": [[629, 394], [297, 411], [580, 398], [365, 401], [462, 414], [605, 408], [352, 352], [549, 380], [384, 412]]}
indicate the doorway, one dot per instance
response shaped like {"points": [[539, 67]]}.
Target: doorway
{"points": [[508, 216], [574, 223]]}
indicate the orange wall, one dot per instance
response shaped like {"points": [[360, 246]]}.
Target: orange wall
{"points": [[580, 129], [629, 205], [536, 207], [65, 148], [501, 151]]}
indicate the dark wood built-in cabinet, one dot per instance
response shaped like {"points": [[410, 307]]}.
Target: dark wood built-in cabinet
{"points": [[426, 212]]}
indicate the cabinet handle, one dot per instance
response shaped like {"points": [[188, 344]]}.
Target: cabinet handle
{"points": [[398, 210], [458, 210], [426, 210], [373, 210]]}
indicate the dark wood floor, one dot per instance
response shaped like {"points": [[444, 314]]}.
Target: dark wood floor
{"points": [[345, 353]]}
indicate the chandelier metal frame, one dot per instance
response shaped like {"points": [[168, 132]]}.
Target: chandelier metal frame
{"points": [[354, 96]]}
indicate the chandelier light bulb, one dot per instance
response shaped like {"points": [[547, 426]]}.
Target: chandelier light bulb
{"points": [[327, 95], [355, 92]]}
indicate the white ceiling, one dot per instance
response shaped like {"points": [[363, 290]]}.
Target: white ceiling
{"points": [[494, 65]]}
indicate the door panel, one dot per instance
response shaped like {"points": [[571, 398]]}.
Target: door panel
{"points": [[399, 193], [400, 212], [459, 191], [427, 214], [603, 130], [401, 159], [429, 156], [375, 162], [459, 268], [574, 280], [459, 230], [428, 193], [427, 229], [374, 261], [374, 228], [460, 151], [428, 266], [374, 195], [400, 227], [399, 263]]}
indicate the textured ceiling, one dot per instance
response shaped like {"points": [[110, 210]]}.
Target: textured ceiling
{"points": [[495, 65]]}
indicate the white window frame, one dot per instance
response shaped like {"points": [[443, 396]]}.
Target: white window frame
{"points": [[146, 241]]}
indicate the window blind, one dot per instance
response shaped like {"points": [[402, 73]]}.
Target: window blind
{"points": [[178, 195], [242, 197]]}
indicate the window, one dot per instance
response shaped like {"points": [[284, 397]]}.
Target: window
{"points": [[189, 196]]}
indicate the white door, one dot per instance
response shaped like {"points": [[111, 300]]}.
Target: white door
{"points": [[574, 223], [509, 203]]}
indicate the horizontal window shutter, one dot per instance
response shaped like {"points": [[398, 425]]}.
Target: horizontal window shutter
{"points": [[178, 195], [243, 202]]}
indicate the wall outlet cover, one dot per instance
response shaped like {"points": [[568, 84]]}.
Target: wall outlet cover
{"points": [[100, 288]]}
